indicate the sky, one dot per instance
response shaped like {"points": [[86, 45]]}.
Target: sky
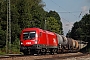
{"points": [[69, 11]]}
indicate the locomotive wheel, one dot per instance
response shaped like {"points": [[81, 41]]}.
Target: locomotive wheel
{"points": [[43, 51], [32, 52], [38, 52], [59, 51], [25, 53], [53, 51]]}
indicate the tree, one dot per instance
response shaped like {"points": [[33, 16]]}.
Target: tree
{"points": [[81, 30], [24, 14], [56, 17], [31, 13], [3, 12], [2, 22], [38, 15], [52, 25], [2, 38]]}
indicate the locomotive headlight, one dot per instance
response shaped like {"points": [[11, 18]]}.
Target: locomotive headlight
{"points": [[21, 43]]}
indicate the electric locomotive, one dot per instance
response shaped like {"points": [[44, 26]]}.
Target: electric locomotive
{"points": [[39, 41]]}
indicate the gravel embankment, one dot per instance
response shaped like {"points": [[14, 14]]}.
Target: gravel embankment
{"points": [[67, 56]]}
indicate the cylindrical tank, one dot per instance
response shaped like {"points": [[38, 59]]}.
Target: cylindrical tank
{"points": [[73, 44], [70, 43], [65, 41], [59, 38], [76, 44], [62, 40]]}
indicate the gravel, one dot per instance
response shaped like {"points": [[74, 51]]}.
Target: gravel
{"points": [[67, 56]]}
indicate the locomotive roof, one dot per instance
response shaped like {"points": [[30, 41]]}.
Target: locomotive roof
{"points": [[34, 29], [28, 29]]}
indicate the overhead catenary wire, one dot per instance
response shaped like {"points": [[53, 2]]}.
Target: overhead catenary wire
{"points": [[61, 19], [71, 12], [60, 16], [65, 9], [68, 12]]}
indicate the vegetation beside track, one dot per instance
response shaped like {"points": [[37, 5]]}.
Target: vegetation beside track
{"points": [[30, 13]]}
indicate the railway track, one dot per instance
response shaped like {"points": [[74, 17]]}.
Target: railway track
{"points": [[40, 57], [11, 55]]}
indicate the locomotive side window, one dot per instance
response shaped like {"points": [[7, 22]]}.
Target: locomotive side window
{"points": [[29, 35]]}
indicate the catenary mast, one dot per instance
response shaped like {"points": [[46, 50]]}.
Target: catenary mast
{"points": [[8, 35]]}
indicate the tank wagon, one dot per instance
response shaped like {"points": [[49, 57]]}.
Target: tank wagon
{"points": [[38, 41]]}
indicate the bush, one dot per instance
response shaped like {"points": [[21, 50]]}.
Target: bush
{"points": [[2, 51], [16, 46]]}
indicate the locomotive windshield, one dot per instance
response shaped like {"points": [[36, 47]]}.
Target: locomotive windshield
{"points": [[29, 35]]}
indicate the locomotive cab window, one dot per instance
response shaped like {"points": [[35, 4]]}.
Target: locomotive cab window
{"points": [[29, 35]]}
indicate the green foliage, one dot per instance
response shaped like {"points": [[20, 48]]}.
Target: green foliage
{"points": [[52, 25], [15, 32], [2, 38], [55, 15], [3, 12], [31, 13], [24, 14], [2, 51], [81, 30], [16, 46], [56, 24]]}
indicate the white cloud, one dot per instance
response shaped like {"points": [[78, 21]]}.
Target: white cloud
{"points": [[85, 9], [67, 26]]}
